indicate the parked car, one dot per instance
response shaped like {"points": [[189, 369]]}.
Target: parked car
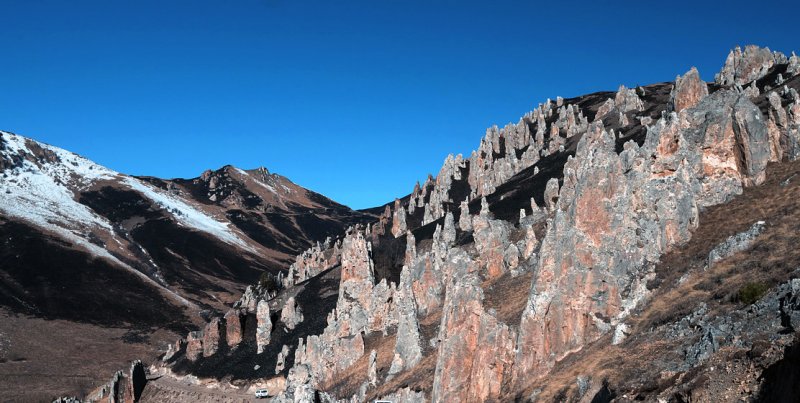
{"points": [[262, 393]]}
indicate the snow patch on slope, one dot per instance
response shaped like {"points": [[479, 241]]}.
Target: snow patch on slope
{"points": [[256, 180], [38, 193], [187, 215]]}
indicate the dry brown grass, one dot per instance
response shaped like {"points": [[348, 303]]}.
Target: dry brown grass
{"points": [[418, 379], [57, 357], [771, 260], [508, 295], [347, 383]]}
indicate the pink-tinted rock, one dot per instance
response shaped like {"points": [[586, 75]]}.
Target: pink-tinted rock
{"points": [[616, 214], [211, 337], [408, 347], [742, 67], [291, 314], [194, 345], [398, 219], [234, 327], [688, 91], [264, 326], [476, 351]]}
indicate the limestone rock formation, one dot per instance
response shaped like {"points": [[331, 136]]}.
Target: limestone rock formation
{"points": [[291, 314], [464, 221], [626, 100], [688, 91], [398, 219], [476, 351], [587, 259], [234, 327], [744, 66], [405, 395], [280, 363], [211, 337], [616, 215], [194, 345], [408, 347], [551, 194], [782, 125], [735, 243], [249, 299], [124, 387], [264, 326], [315, 260], [137, 378], [491, 241], [172, 349], [793, 68]]}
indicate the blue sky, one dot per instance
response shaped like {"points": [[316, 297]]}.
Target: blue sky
{"points": [[355, 99]]}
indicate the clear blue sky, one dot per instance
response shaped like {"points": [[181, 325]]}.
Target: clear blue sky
{"points": [[354, 99]]}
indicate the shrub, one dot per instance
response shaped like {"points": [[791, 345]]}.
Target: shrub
{"points": [[752, 292], [268, 282]]}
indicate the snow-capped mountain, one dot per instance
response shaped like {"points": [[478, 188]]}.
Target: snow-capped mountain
{"points": [[187, 242]]}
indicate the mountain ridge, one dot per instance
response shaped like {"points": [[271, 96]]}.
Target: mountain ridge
{"points": [[491, 280], [597, 189]]}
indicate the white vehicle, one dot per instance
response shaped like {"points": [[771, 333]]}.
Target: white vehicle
{"points": [[262, 393]]}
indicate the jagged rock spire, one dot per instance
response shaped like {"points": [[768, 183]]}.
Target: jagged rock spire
{"points": [[688, 91]]}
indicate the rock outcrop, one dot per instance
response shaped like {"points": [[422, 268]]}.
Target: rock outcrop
{"points": [[735, 243], [234, 327], [688, 91], [612, 204], [399, 226], [194, 345], [211, 337], [491, 241], [744, 66], [124, 387], [405, 395], [264, 325], [315, 260], [618, 213], [280, 363], [408, 347], [476, 351], [291, 314]]}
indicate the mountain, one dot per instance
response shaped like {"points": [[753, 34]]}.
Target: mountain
{"points": [[90, 246], [617, 246]]}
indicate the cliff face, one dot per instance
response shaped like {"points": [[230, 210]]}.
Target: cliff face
{"points": [[571, 235]]}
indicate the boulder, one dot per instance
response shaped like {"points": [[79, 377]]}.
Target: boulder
{"points": [[735, 243]]}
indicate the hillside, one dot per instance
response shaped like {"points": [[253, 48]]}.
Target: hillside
{"points": [[99, 249], [628, 245]]}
